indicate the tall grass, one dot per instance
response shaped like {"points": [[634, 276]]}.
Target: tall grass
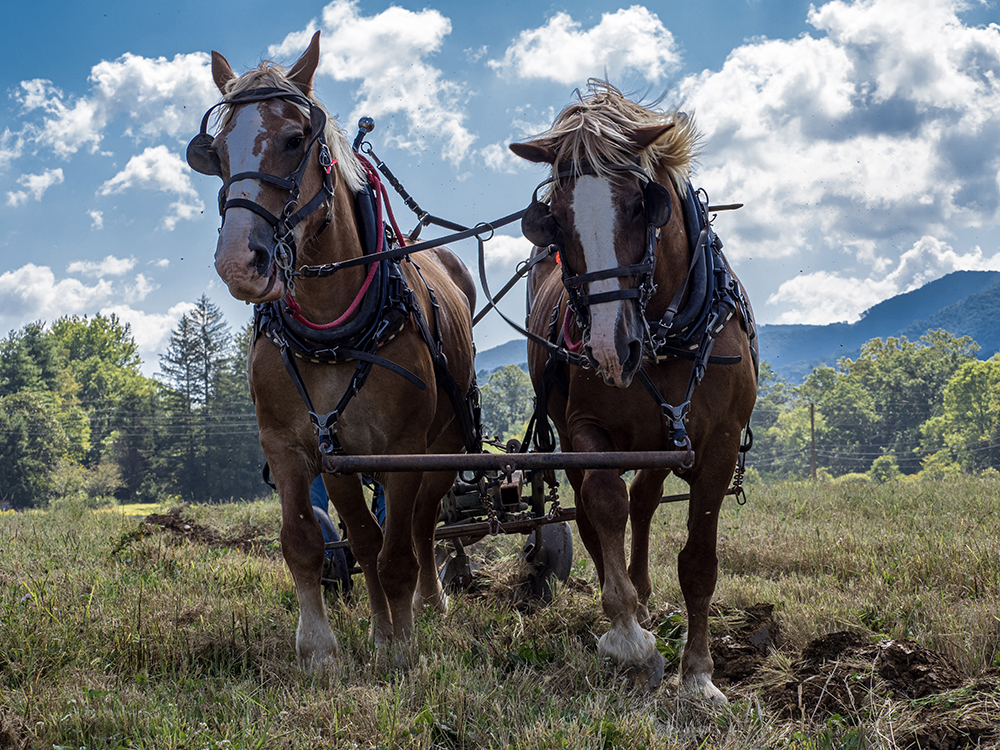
{"points": [[114, 634]]}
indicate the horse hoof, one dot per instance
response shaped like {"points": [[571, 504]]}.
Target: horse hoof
{"points": [[438, 602], [700, 687], [318, 663], [648, 675]]}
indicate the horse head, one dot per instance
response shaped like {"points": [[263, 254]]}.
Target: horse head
{"points": [[603, 214], [274, 196]]}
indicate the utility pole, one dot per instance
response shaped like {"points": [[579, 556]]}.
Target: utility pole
{"points": [[812, 430]]}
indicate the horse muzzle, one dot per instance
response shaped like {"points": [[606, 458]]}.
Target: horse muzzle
{"points": [[614, 348], [245, 259]]}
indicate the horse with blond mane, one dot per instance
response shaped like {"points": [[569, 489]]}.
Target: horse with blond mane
{"points": [[376, 358], [645, 303]]}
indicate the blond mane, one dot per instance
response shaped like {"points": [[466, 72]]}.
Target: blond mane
{"points": [[596, 130], [270, 75]]}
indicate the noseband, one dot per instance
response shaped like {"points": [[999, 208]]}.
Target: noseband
{"points": [[541, 228], [202, 158]]}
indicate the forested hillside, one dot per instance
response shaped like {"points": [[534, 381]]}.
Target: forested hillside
{"points": [[963, 303], [79, 420]]}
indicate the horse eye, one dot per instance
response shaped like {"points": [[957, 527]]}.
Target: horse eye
{"points": [[294, 143], [637, 209]]}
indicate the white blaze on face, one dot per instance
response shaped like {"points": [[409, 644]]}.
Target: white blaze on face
{"points": [[594, 217], [244, 156]]}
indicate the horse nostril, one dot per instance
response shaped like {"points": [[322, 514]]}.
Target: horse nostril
{"points": [[634, 358], [261, 254]]}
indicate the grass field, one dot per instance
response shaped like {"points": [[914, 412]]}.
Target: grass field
{"points": [[847, 616]]}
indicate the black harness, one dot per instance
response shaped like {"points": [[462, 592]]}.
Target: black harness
{"points": [[686, 332], [386, 307]]}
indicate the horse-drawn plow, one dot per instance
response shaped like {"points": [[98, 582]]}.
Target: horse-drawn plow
{"points": [[507, 494], [641, 352]]}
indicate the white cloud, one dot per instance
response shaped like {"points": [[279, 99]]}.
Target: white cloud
{"points": [[826, 297], [96, 219], [11, 147], [889, 125], [32, 292], [630, 40], [881, 128], [499, 158], [151, 331], [388, 53], [110, 266], [154, 97], [35, 186], [506, 250], [160, 169], [139, 289]]}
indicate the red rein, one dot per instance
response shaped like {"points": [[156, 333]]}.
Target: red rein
{"points": [[380, 195]]}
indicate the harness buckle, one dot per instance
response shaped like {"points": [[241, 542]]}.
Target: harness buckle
{"points": [[326, 432], [326, 160], [676, 416]]}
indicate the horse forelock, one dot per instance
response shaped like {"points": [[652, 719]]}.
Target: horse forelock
{"points": [[596, 131], [270, 75]]}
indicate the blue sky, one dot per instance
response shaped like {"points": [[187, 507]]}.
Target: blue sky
{"points": [[863, 137]]}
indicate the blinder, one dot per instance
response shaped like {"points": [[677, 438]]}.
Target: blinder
{"points": [[658, 205], [201, 157], [538, 225]]}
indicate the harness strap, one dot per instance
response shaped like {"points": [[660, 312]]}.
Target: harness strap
{"points": [[635, 269], [665, 322], [258, 209], [559, 352], [471, 432]]}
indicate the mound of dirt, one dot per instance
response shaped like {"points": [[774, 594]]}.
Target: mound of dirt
{"points": [[915, 672], [739, 653], [13, 734], [250, 541], [847, 672]]}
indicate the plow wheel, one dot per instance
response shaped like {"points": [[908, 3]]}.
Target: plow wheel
{"points": [[455, 570], [336, 574], [548, 552]]}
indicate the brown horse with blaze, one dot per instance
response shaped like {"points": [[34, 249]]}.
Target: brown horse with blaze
{"points": [[341, 362], [628, 273]]}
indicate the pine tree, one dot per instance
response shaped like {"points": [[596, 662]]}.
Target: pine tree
{"points": [[213, 448]]}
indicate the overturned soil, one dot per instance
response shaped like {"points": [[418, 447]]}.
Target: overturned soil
{"points": [[848, 676], [252, 540]]}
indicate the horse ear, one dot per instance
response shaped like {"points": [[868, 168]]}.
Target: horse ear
{"points": [[539, 152], [302, 72], [222, 72], [644, 137]]}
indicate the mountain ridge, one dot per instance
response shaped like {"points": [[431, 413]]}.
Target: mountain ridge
{"points": [[964, 303]]}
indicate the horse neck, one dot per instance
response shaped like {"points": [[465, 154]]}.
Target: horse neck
{"points": [[327, 298], [673, 256]]}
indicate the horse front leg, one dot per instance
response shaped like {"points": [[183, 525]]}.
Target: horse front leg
{"points": [[365, 536], [303, 550], [433, 487], [698, 569], [645, 493], [626, 643], [397, 562]]}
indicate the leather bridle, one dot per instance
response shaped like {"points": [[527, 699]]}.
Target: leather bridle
{"points": [[202, 157], [540, 227]]}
